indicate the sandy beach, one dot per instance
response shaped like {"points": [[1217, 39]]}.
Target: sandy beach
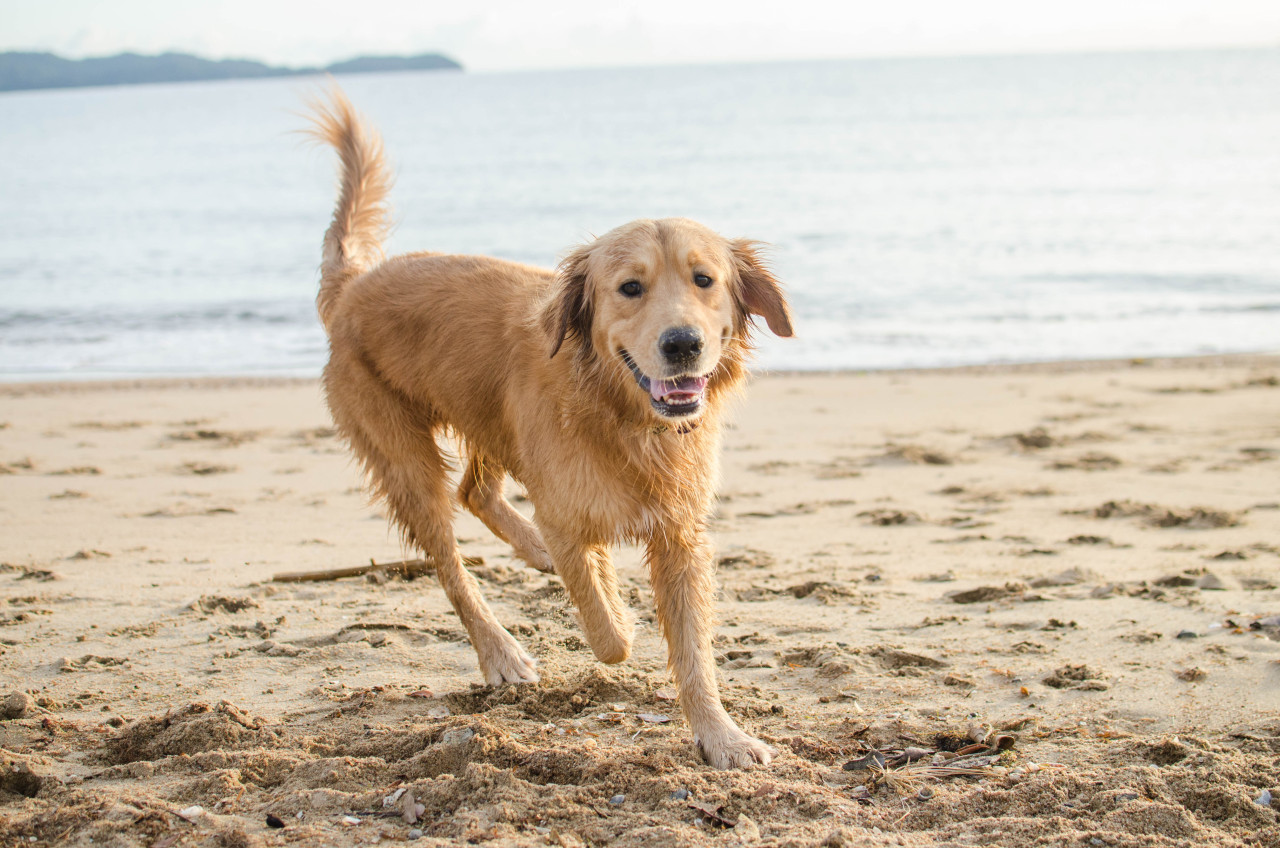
{"points": [[1068, 573]]}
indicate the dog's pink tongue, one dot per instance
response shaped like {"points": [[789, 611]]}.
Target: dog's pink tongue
{"points": [[679, 390]]}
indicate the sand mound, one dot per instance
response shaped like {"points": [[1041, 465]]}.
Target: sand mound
{"points": [[189, 730]]}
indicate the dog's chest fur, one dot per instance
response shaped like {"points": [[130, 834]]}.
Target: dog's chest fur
{"points": [[625, 488]]}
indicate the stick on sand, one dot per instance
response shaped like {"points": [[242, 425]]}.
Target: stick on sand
{"points": [[406, 568]]}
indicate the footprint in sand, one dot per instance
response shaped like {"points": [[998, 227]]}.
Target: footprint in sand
{"points": [[773, 468], [204, 469], [183, 510], [1091, 461], [804, 508], [1194, 518], [911, 455], [26, 572], [972, 496], [110, 425], [76, 471], [839, 468], [220, 438], [890, 517], [743, 558]]}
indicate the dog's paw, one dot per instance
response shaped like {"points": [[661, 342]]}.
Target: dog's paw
{"points": [[539, 559], [731, 748], [506, 662]]}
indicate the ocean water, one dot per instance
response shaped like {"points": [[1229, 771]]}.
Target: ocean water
{"points": [[921, 212]]}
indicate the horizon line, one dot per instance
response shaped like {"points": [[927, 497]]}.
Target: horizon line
{"points": [[675, 63]]}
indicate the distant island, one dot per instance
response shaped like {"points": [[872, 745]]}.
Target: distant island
{"points": [[20, 70]]}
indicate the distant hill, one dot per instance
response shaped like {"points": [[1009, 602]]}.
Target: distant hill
{"points": [[377, 64], [20, 70]]}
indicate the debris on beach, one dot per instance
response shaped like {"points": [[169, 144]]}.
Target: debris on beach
{"points": [[713, 813], [904, 769], [209, 604], [982, 594], [653, 718], [1077, 676]]}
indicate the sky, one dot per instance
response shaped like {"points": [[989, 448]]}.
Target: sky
{"points": [[498, 35]]}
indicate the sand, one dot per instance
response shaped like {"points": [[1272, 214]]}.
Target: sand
{"points": [[1081, 558]]}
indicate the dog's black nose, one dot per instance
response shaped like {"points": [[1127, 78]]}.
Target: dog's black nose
{"points": [[680, 344]]}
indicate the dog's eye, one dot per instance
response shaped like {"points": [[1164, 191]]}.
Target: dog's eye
{"points": [[701, 280], [631, 288]]}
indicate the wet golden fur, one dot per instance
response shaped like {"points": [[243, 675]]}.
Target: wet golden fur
{"points": [[524, 365]]}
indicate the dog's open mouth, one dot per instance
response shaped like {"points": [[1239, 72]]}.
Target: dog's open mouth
{"points": [[672, 397]]}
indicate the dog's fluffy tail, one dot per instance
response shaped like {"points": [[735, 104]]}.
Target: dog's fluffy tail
{"points": [[353, 242]]}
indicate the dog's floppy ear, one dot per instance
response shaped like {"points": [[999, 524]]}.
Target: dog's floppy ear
{"points": [[569, 313], [761, 292]]}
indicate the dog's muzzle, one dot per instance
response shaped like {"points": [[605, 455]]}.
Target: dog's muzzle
{"points": [[671, 397]]}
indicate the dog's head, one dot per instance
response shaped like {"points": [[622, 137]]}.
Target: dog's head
{"points": [[667, 302]]}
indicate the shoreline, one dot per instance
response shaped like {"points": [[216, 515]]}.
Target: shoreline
{"points": [[1057, 366]]}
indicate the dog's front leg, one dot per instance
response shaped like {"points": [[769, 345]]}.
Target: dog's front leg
{"points": [[684, 592], [587, 572]]}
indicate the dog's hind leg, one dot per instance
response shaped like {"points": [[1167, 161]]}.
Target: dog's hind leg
{"points": [[418, 496], [410, 475], [588, 574], [481, 492]]}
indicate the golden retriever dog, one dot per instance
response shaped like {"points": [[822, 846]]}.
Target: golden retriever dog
{"points": [[600, 387]]}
